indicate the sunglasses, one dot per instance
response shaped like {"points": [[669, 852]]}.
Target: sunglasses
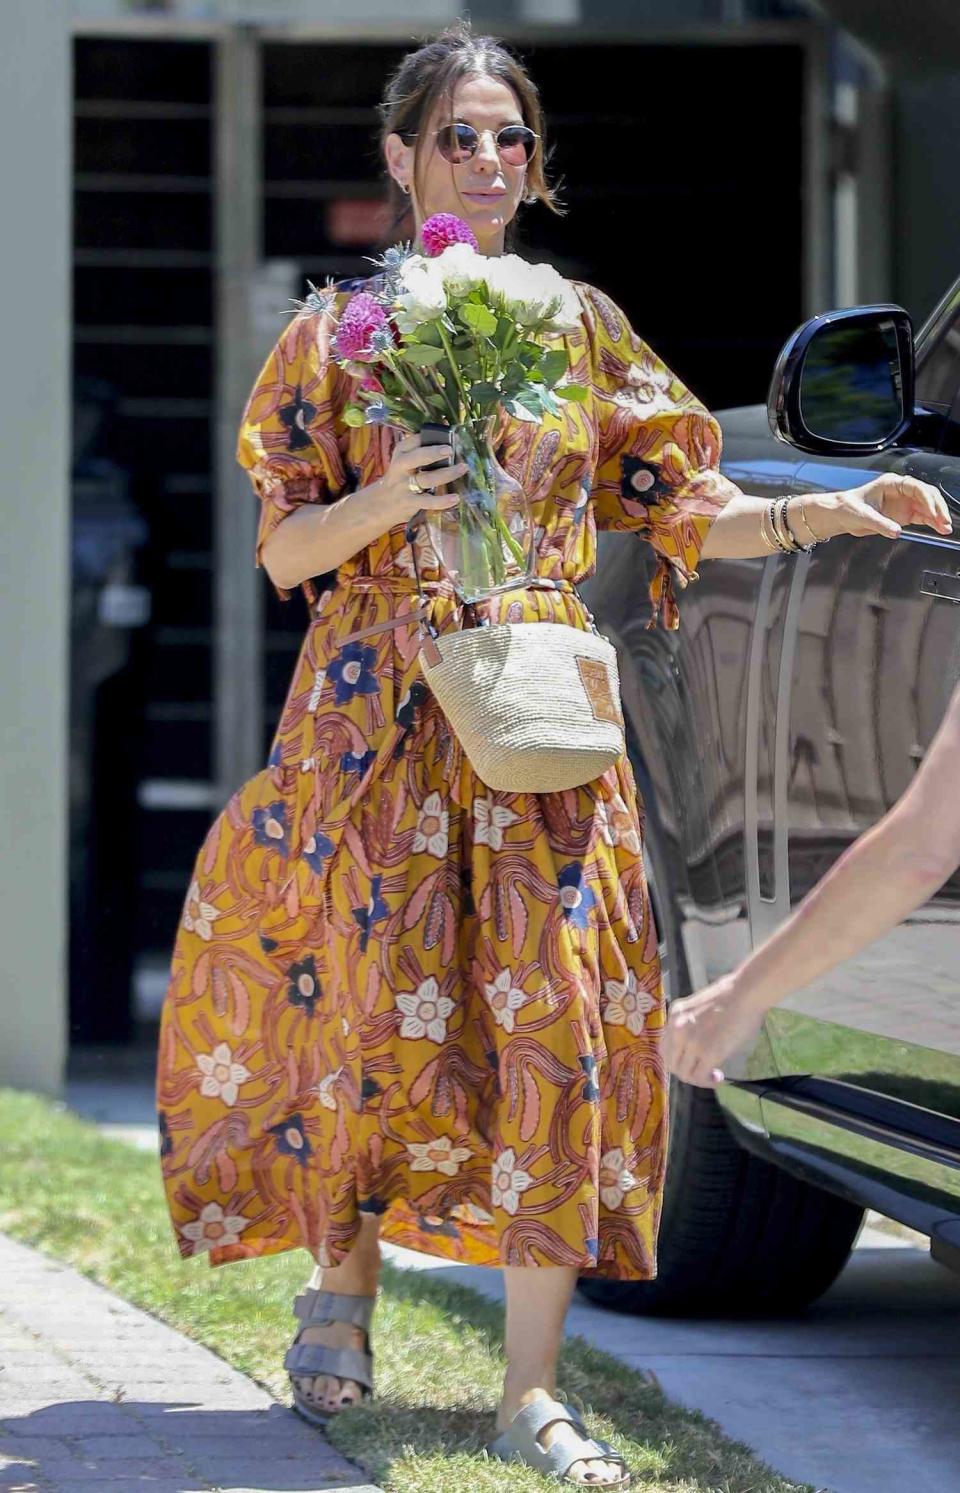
{"points": [[516, 144]]}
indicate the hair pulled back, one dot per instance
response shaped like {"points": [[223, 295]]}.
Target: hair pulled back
{"points": [[431, 73]]}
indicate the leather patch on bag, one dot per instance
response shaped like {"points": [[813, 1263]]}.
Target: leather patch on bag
{"points": [[596, 681]]}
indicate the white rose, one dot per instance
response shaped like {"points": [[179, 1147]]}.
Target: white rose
{"points": [[534, 291]]}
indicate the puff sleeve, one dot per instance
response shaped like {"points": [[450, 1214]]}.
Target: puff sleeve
{"points": [[291, 431], [658, 452]]}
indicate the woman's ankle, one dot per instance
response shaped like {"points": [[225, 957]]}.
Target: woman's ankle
{"points": [[520, 1386]]}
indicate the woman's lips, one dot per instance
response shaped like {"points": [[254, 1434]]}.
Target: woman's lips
{"points": [[485, 196]]}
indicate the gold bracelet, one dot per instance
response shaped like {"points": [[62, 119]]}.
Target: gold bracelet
{"points": [[805, 522], [771, 511], [770, 543]]}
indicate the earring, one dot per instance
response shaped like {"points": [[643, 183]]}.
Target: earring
{"points": [[404, 187]]}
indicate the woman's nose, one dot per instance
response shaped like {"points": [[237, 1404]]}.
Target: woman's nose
{"points": [[486, 152]]}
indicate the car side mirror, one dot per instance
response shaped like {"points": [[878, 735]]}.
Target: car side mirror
{"points": [[844, 382]]}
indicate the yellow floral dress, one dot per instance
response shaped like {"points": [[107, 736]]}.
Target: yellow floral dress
{"points": [[393, 990]]}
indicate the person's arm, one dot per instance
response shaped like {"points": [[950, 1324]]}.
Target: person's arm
{"points": [[884, 876], [315, 538], [882, 506]]}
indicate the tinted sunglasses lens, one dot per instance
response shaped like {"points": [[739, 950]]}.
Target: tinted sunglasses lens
{"points": [[457, 142], [516, 144]]}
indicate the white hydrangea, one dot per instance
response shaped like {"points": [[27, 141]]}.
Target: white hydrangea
{"points": [[422, 297], [461, 268]]}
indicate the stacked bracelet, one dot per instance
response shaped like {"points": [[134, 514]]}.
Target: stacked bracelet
{"points": [[775, 517]]}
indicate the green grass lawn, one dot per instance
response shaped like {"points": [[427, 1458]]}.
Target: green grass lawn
{"points": [[97, 1204]]}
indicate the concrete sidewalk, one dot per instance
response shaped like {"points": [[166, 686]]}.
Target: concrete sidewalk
{"points": [[98, 1397]]}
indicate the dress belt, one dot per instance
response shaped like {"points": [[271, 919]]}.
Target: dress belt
{"points": [[401, 585]]}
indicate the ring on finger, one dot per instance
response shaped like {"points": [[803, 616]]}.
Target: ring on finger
{"points": [[414, 485]]}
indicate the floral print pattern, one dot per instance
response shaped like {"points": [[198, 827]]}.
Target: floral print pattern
{"points": [[415, 997]]}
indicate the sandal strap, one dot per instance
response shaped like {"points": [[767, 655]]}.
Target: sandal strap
{"points": [[318, 1358], [569, 1444], [316, 1306]]}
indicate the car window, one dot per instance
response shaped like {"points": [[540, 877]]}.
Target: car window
{"points": [[938, 353]]}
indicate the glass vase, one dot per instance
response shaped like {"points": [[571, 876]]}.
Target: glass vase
{"points": [[486, 543]]}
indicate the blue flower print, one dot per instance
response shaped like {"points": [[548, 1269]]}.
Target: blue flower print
{"points": [[275, 758], [270, 827], [369, 1088], [304, 988], [589, 1065], [296, 416], [315, 851], [375, 910], [576, 898], [373, 1204], [267, 944], [292, 1138], [352, 672], [356, 761], [166, 1139], [592, 1246], [642, 479]]}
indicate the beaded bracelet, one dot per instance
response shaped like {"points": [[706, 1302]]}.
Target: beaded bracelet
{"points": [[786, 529], [782, 544]]}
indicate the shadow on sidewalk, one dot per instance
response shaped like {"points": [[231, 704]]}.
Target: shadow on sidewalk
{"points": [[167, 1446]]}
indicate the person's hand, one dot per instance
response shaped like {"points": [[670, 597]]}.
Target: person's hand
{"points": [[704, 1029], [406, 467], [882, 506]]}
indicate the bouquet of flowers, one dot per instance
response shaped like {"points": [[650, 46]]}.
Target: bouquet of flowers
{"points": [[448, 337]]}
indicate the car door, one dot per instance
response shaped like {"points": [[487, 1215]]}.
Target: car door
{"points": [[869, 1056]]}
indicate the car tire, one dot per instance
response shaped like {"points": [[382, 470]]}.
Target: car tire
{"points": [[738, 1236]]}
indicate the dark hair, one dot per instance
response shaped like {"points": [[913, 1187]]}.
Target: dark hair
{"points": [[431, 73]]}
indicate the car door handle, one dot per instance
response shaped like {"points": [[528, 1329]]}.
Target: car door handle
{"points": [[941, 583]]}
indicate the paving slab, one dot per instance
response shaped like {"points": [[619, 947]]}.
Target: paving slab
{"points": [[76, 1413]]}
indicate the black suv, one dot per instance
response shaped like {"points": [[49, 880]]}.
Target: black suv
{"points": [[782, 720]]}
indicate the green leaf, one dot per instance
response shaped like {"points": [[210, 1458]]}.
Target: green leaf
{"points": [[554, 365], [486, 393], [520, 411], [422, 356], [577, 392], [353, 415], [478, 319]]}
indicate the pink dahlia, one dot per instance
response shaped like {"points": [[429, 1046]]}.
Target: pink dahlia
{"points": [[444, 229], [359, 319]]}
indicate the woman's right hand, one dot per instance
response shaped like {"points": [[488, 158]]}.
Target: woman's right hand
{"points": [[409, 459]]}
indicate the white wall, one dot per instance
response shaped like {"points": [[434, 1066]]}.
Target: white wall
{"points": [[35, 165]]}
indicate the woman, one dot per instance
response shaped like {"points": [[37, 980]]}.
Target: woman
{"points": [[887, 874], [400, 1003]]}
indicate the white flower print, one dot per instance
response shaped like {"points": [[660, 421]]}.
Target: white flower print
{"points": [[222, 1077], [490, 821], [433, 827], [439, 1155], [504, 998], [199, 916], [616, 1179], [508, 1181], [617, 825], [213, 1228], [625, 1004], [324, 1089], [319, 680], [645, 390], [425, 1011]]}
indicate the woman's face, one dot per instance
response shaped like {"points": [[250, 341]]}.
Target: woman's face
{"points": [[485, 191]]}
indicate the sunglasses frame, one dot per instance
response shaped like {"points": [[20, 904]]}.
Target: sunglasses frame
{"points": [[408, 135]]}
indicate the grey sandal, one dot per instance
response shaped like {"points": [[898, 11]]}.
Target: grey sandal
{"points": [[571, 1443], [317, 1308]]}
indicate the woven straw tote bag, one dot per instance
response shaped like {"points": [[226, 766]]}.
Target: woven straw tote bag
{"points": [[535, 705]]}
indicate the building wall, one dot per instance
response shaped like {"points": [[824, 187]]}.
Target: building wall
{"points": [[35, 98]]}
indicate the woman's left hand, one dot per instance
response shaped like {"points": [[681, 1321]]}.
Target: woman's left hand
{"points": [[884, 506], [704, 1029]]}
